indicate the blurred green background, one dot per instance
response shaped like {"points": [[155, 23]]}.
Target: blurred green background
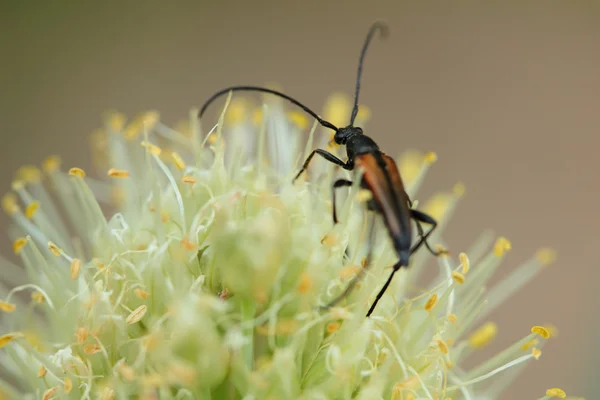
{"points": [[507, 93]]}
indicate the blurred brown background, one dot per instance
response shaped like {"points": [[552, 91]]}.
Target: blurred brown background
{"points": [[506, 93]]}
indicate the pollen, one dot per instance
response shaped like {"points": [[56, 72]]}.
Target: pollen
{"points": [[152, 148], [483, 336], [330, 239], [464, 261], [545, 256], [458, 277], [188, 179], [49, 394], [430, 158], [305, 283], [333, 327], [364, 195], [37, 297], [452, 318], [502, 246], [54, 249], [19, 244], [81, 335], [443, 346], [431, 302], [178, 161], [298, 119], [29, 174], [541, 331], [31, 209], [77, 172], [9, 204], [349, 271], [118, 173], [51, 164], [75, 268], [9, 337], [7, 307], [127, 372], [212, 139], [91, 349], [536, 353], [141, 293], [41, 372], [68, 385], [556, 392]]}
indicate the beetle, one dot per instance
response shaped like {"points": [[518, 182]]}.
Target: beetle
{"points": [[380, 176]]}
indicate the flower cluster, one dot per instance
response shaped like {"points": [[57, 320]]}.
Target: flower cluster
{"points": [[205, 282]]}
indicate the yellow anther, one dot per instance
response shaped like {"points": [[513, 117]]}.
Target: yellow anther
{"points": [[458, 277], [91, 349], [536, 353], [464, 261], [178, 161], [9, 337], [68, 385], [54, 249], [449, 364], [187, 244], [305, 283], [152, 148], [348, 271], [459, 189], [529, 344], [330, 239], [430, 158], [31, 209], [145, 120], [333, 327], [127, 372], [431, 302], [364, 195], [115, 121], [502, 245], [212, 139], [7, 307], [19, 244], [541, 331], [483, 336], [77, 172], [81, 335], [51, 164], [141, 293], [452, 318], [17, 185], [298, 118], [118, 173], [188, 179], [257, 116], [37, 297], [10, 204], [29, 174], [136, 315], [75, 268], [443, 346], [41, 372], [556, 392], [283, 327], [545, 256], [49, 394]]}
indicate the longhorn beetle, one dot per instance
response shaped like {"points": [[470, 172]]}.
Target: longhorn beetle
{"points": [[380, 176]]}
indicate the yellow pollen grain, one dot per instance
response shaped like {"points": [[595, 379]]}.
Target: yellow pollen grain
{"points": [[298, 118], [529, 344], [188, 179], [541, 331], [75, 171], [349, 271], [458, 277], [330, 239], [502, 245], [483, 336], [10, 204], [152, 148], [187, 244], [7, 307], [54, 249], [118, 173], [212, 139], [536, 353], [37, 297], [305, 283], [545, 256], [431, 302], [141, 293], [9, 337], [68, 385], [19, 244], [178, 161], [443, 346], [136, 315], [91, 349], [333, 327], [464, 261], [29, 174], [31, 209], [49, 394], [51, 164], [41, 372], [364, 195], [459, 189], [556, 392], [430, 158], [75, 268], [452, 318]]}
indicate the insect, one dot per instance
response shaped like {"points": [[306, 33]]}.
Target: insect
{"points": [[380, 176]]}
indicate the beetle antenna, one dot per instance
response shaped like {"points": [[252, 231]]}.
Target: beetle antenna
{"points": [[383, 29], [324, 123]]}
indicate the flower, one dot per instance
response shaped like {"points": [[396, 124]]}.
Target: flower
{"points": [[205, 280]]}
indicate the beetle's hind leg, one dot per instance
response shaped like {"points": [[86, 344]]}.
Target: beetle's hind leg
{"points": [[421, 217]]}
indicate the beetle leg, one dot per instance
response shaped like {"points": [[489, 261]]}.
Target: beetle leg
{"points": [[419, 217], [336, 185], [326, 155]]}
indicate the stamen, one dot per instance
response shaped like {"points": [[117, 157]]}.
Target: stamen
{"points": [[118, 173], [443, 346], [68, 385], [178, 161], [77, 172], [137, 315], [7, 307], [536, 353], [464, 261], [556, 392], [37, 297], [41, 372], [10, 204], [29, 174], [502, 245], [430, 158], [49, 394], [188, 179], [458, 277], [31, 209], [546, 256], [151, 148], [19, 244], [115, 121], [75, 268], [57, 251], [9, 337], [51, 164], [141, 294], [541, 331], [305, 283], [483, 336], [92, 349], [452, 318], [431, 302]]}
